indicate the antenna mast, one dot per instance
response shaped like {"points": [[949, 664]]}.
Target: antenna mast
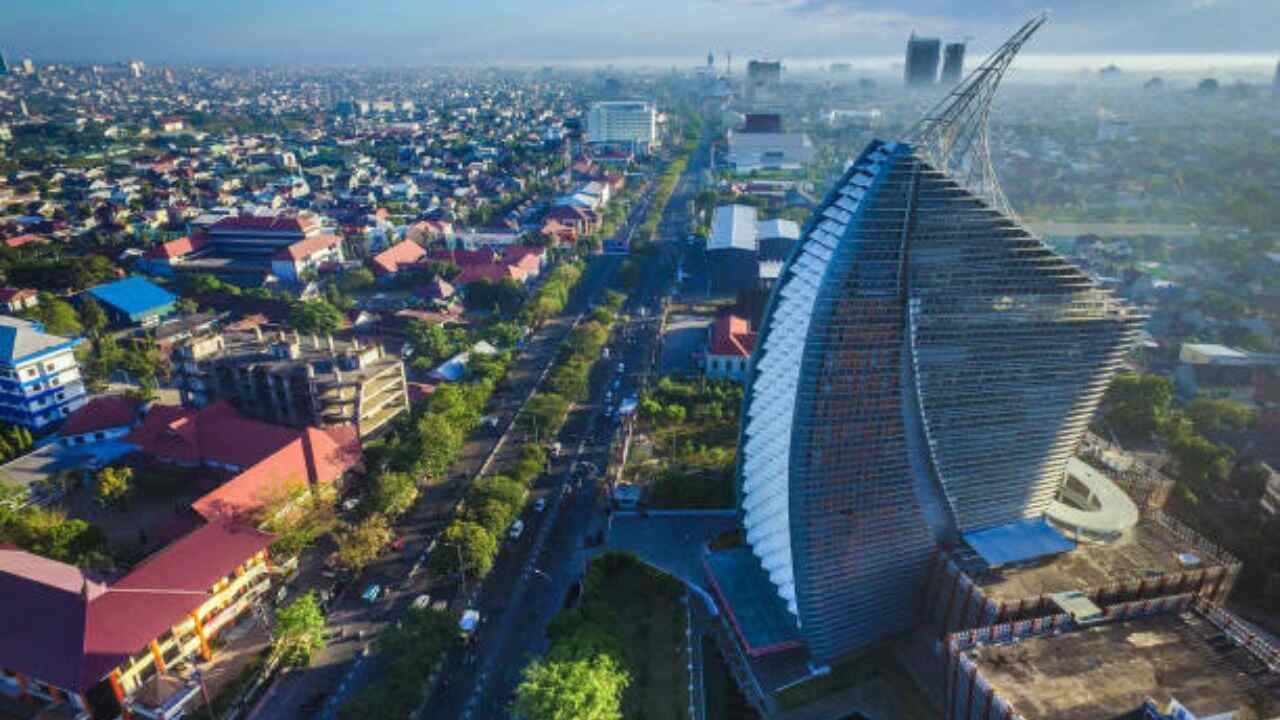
{"points": [[953, 135]]}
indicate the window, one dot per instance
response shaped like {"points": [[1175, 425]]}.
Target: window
{"points": [[31, 372], [50, 367]]}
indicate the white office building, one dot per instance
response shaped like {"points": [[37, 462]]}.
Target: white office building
{"points": [[627, 121], [40, 381]]}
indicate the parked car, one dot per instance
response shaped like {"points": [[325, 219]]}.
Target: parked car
{"points": [[469, 622], [371, 593], [422, 602], [540, 504], [517, 529]]}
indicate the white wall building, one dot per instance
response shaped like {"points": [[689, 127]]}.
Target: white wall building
{"points": [[625, 121], [40, 379]]}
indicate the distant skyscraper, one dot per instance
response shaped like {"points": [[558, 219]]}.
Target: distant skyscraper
{"points": [[923, 55], [1275, 84], [953, 63], [28, 67], [4, 64], [925, 370], [763, 77]]}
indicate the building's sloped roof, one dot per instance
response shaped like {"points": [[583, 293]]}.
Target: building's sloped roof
{"points": [[304, 249], [318, 456], [778, 228], [21, 339], [42, 628], [133, 295], [733, 227], [217, 433], [181, 247], [266, 223], [731, 335], [100, 413], [65, 627], [389, 261]]}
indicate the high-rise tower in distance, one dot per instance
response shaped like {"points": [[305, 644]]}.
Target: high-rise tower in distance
{"points": [[925, 369], [952, 63], [922, 61]]}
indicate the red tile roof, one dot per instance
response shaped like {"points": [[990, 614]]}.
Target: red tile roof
{"points": [[304, 249], [67, 627], [100, 413], [317, 457], [390, 261], [267, 223], [731, 335], [181, 247], [493, 272], [9, 294], [19, 240], [217, 434]]}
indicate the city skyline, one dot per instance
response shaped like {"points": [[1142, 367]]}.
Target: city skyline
{"points": [[395, 32]]}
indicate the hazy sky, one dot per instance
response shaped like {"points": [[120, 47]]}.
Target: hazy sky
{"points": [[419, 32]]}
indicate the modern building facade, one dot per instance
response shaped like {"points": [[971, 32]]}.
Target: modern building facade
{"points": [[762, 144], [923, 56], [631, 122], [40, 381], [925, 370], [952, 63]]}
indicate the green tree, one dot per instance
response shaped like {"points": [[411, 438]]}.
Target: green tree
{"points": [[57, 316], [114, 485], [187, 306], [360, 544], [1199, 460], [581, 689], [394, 493], [298, 631], [92, 317], [315, 316], [1215, 416], [1138, 403], [467, 542], [430, 341], [440, 441], [356, 280]]}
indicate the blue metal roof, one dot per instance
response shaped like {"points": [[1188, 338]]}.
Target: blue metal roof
{"points": [[134, 296], [1018, 542]]}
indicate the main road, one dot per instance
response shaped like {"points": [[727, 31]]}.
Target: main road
{"points": [[535, 577], [334, 673]]}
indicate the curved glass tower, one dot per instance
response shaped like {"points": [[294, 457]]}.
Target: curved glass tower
{"points": [[925, 369]]}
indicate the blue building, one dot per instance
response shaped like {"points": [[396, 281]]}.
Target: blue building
{"points": [[134, 301], [40, 381]]}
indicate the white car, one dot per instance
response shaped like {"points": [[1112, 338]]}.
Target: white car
{"points": [[422, 602], [540, 504], [517, 529]]}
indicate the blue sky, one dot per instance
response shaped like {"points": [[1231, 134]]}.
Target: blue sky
{"points": [[417, 32]]}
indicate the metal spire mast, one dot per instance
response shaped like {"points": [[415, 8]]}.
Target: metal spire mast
{"points": [[952, 136]]}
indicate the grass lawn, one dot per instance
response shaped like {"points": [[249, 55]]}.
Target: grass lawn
{"points": [[650, 628]]}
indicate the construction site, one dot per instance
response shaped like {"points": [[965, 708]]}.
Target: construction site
{"points": [[1178, 657]]}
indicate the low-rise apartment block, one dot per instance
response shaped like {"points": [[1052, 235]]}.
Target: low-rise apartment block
{"points": [[294, 380]]}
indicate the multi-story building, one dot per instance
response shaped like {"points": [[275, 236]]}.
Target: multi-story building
{"points": [[921, 66], [85, 647], [952, 63], [294, 380], [762, 144], [40, 381], [629, 122]]}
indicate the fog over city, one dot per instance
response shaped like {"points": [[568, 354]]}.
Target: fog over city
{"points": [[414, 32]]}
